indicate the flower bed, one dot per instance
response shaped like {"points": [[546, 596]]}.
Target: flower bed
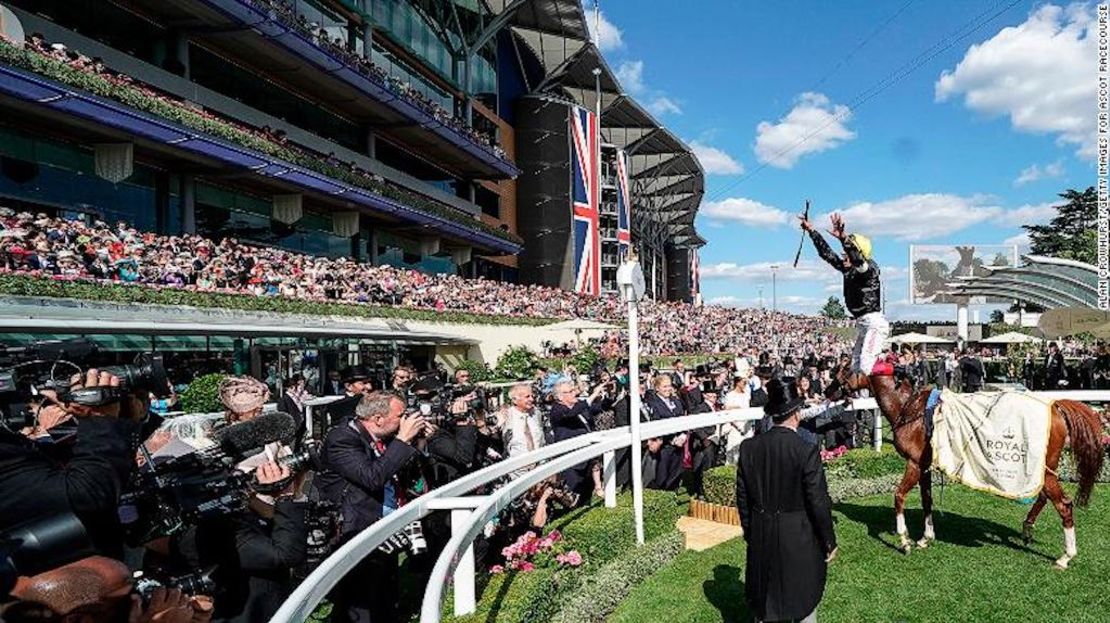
{"points": [[599, 535], [145, 99]]}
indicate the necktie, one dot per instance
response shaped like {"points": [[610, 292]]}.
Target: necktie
{"points": [[528, 441], [389, 492]]}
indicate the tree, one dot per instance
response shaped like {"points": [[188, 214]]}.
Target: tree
{"points": [[834, 309], [1073, 233], [997, 316]]}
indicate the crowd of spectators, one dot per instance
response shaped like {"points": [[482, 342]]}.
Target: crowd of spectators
{"points": [[287, 14], [78, 249]]}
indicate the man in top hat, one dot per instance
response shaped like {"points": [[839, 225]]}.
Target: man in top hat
{"points": [[786, 515], [357, 382], [862, 290], [700, 452]]}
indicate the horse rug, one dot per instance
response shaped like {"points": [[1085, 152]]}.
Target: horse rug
{"points": [[993, 441]]}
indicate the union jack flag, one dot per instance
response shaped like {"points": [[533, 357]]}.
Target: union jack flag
{"points": [[624, 206], [585, 201]]}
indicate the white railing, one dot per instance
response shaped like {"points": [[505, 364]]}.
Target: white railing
{"points": [[469, 513]]}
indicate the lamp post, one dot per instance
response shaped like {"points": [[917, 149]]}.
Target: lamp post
{"points": [[630, 281], [774, 288]]}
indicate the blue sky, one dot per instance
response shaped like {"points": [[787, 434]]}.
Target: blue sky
{"points": [[856, 106]]}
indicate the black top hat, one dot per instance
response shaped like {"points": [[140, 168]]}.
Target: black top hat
{"points": [[764, 370], [782, 398], [623, 363], [701, 370], [356, 373], [709, 387]]}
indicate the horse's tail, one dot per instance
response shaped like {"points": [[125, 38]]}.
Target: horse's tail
{"points": [[1085, 429]]}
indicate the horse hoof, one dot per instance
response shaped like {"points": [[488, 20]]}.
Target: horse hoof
{"points": [[923, 543], [1061, 564], [906, 547]]}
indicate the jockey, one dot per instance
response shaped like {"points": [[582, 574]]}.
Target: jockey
{"points": [[862, 294]]}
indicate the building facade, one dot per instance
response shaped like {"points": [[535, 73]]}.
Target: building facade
{"points": [[398, 132]]}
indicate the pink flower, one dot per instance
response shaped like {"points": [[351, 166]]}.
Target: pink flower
{"points": [[571, 558], [508, 552], [527, 566], [496, 569]]}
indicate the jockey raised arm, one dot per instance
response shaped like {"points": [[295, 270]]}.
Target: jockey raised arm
{"points": [[862, 289]]}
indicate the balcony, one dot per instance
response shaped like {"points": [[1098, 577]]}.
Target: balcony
{"points": [[280, 46], [174, 137]]}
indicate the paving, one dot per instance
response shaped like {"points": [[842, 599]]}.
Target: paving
{"points": [[701, 534]]}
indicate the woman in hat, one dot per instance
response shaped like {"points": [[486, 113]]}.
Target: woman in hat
{"points": [[786, 514]]}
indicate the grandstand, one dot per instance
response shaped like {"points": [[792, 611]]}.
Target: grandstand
{"points": [[397, 133]]}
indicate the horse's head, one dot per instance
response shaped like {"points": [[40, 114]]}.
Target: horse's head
{"points": [[846, 382]]}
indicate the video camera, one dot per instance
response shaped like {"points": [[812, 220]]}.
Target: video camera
{"points": [[165, 496], [24, 370], [191, 584], [433, 399]]}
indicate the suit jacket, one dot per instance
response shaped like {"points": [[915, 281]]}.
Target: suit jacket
{"points": [[660, 410], [567, 422], [330, 388], [253, 559], [357, 474], [786, 515], [971, 371], [1054, 370]]}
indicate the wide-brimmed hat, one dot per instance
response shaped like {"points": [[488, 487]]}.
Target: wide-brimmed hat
{"points": [[782, 398]]}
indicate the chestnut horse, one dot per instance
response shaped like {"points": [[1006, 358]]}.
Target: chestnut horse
{"points": [[904, 409]]}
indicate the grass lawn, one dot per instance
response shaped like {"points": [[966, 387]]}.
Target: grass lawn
{"points": [[977, 571]]}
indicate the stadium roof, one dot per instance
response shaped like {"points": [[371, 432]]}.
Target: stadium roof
{"points": [[1046, 281], [666, 178]]}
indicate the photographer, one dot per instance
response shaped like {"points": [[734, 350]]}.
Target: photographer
{"points": [[253, 550], [571, 417], [365, 455], [466, 441], [88, 483]]}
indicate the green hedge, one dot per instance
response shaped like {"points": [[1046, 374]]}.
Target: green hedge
{"points": [[26, 285], [600, 534], [134, 97], [203, 394], [598, 595], [859, 472]]}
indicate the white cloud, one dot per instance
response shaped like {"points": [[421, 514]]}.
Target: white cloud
{"points": [[1034, 214], [746, 211], [791, 303], [663, 105], [761, 272], [631, 76], [1021, 240], [1039, 73], [814, 125], [611, 36], [1034, 172], [715, 161], [918, 216]]}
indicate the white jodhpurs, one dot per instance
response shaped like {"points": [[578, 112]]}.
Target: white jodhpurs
{"points": [[872, 330]]}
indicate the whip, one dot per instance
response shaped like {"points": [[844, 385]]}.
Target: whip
{"points": [[802, 242]]}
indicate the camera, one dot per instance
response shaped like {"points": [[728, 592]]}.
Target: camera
{"points": [[192, 584], [40, 545], [433, 399]]}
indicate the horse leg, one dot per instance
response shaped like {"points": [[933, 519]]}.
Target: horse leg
{"points": [[1031, 518], [1063, 506], [927, 507], [909, 481]]}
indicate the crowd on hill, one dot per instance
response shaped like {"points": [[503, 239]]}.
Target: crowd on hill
{"points": [[76, 249]]}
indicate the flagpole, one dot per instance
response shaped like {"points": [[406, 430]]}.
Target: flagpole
{"points": [[597, 140]]}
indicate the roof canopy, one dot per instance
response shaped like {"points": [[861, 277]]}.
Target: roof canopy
{"points": [[1046, 281]]}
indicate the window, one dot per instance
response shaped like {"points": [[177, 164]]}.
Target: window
{"points": [[489, 201]]}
